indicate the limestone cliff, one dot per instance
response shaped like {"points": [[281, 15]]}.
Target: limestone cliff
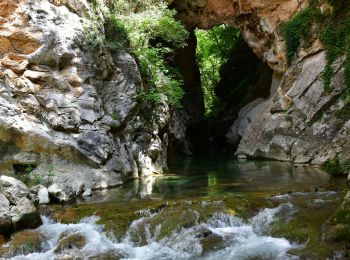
{"points": [[300, 121], [66, 111], [74, 115]]}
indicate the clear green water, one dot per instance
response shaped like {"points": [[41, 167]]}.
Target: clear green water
{"points": [[206, 208], [208, 177]]}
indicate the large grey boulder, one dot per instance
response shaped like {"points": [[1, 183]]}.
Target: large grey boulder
{"points": [[17, 212], [13, 189], [24, 215], [5, 223]]}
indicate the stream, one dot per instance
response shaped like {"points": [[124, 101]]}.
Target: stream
{"points": [[206, 208]]}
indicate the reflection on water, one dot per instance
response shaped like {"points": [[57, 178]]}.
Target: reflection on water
{"points": [[208, 209], [210, 177]]}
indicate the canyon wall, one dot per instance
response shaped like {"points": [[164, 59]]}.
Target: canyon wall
{"points": [[74, 115], [300, 121], [67, 113]]}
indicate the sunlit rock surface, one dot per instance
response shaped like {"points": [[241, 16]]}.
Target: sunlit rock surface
{"points": [[65, 111], [257, 19]]}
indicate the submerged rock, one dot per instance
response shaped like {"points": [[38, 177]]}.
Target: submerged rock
{"points": [[23, 243], [69, 242]]}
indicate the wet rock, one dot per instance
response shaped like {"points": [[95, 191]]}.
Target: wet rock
{"points": [[23, 243], [110, 255], [25, 215], [69, 242], [13, 189], [209, 240]]}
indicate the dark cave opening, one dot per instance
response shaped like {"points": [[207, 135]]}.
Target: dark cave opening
{"points": [[243, 78]]}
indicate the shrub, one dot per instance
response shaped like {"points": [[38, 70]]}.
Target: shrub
{"points": [[213, 50], [297, 29], [148, 30], [333, 30], [334, 167]]}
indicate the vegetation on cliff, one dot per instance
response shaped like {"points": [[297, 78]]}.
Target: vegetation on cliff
{"points": [[148, 30], [213, 50], [331, 25]]}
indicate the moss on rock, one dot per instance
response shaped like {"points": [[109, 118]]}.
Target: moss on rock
{"points": [[71, 241], [23, 243]]}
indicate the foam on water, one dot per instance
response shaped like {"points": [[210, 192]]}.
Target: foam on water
{"points": [[241, 239]]}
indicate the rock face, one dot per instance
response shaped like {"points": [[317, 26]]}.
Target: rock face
{"points": [[300, 122], [70, 113], [258, 21], [17, 212], [73, 115]]}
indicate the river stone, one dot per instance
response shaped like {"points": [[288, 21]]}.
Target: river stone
{"points": [[72, 241], [13, 189], [58, 193], [23, 243], [25, 215], [43, 196]]}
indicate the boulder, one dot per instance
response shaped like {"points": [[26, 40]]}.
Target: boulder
{"points": [[13, 189], [43, 196], [40, 194], [72, 241], [17, 212], [87, 193], [5, 223], [58, 193], [24, 215], [23, 243], [4, 203]]}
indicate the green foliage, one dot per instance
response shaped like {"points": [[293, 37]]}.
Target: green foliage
{"points": [[336, 38], [298, 28], [334, 167], [148, 30], [115, 38], [115, 116], [333, 28], [213, 49], [31, 178], [29, 169]]}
